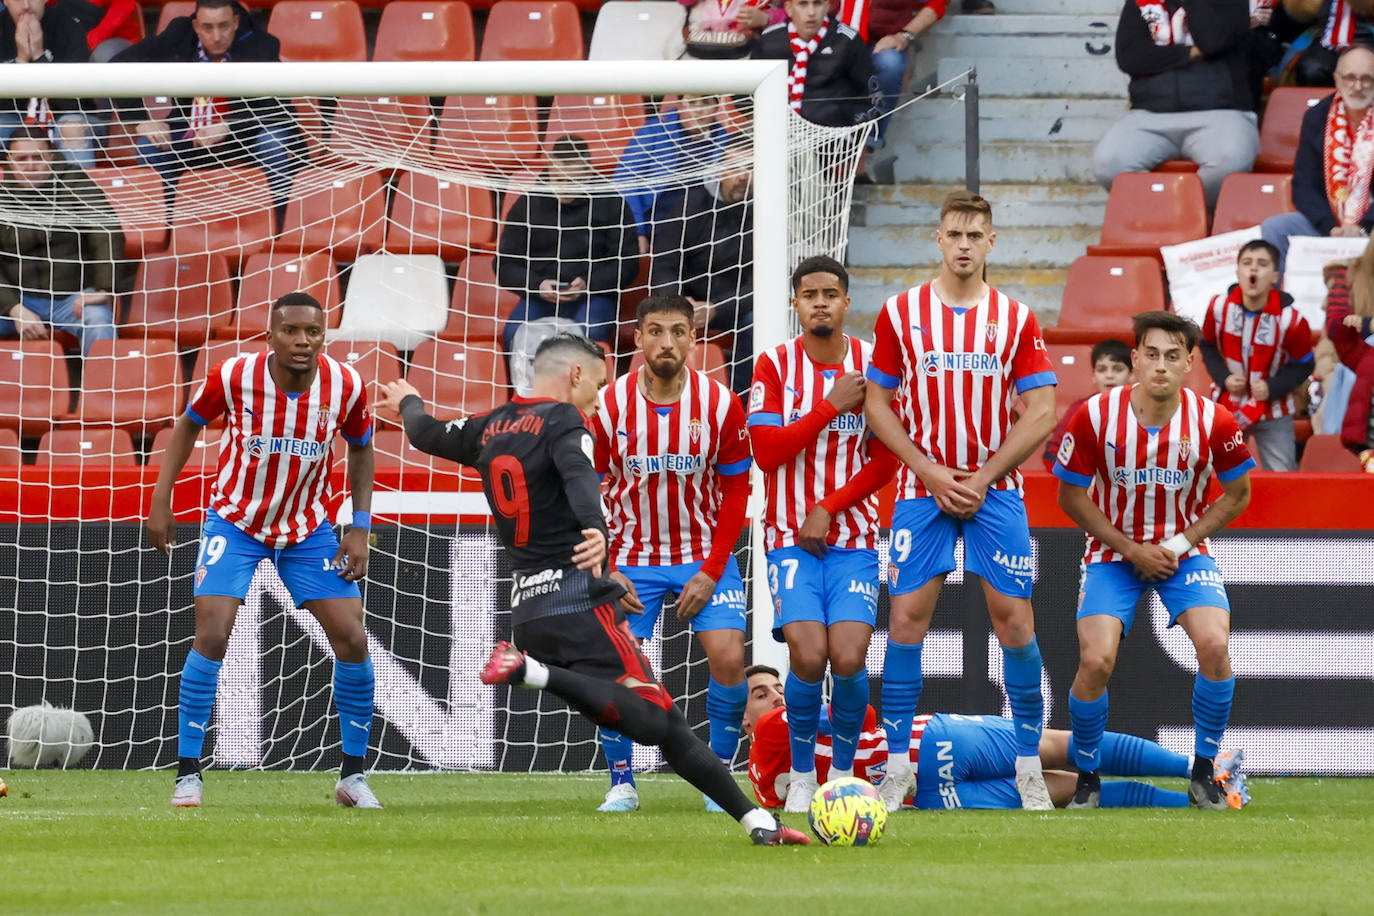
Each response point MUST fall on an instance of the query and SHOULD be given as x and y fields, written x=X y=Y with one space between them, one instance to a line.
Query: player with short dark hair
x=535 y=458
x=1134 y=468
x=283 y=409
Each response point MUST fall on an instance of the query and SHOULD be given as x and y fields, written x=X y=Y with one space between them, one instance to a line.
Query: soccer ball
x=847 y=812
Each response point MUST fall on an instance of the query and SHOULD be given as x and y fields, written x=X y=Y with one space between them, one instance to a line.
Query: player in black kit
x=535 y=458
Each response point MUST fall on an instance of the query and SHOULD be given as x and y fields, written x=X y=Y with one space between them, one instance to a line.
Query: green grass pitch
x=100 y=842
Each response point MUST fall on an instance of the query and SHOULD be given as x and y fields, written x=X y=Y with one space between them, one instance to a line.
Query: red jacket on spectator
x=887 y=17
x=1356 y=354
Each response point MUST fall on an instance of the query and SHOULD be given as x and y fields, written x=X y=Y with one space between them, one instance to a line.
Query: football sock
x=1021 y=671
x=803 y=719
x=1127 y=755
x=848 y=705
x=1127 y=794
x=901 y=693
x=353 y=688
x=351 y=765
x=195 y=699
x=725 y=712
x=187 y=766
x=1203 y=769
x=619 y=752
x=1211 y=712
x=1088 y=719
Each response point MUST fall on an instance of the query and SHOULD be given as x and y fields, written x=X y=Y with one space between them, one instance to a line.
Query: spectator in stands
x=1189 y=91
x=33 y=33
x=1336 y=25
x=686 y=138
x=1111 y=368
x=831 y=80
x=1350 y=326
x=53 y=277
x=1334 y=165
x=110 y=25
x=1258 y=349
x=207 y=132
x=704 y=251
x=565 y=253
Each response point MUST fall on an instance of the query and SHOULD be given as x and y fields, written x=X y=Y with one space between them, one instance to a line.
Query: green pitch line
x=98 y=842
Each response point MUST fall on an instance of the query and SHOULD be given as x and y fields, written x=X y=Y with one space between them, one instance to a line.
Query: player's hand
x=814 y=534
x=160 y=527
x=28 y=324
x=1259 y=389
x=393 y=393
x=351 y=560
x=694 y=596
x=630 y=600
x=952 y=496
x=591 y=553
x=1235 y=384
x=1153 y=562
x=848 y=391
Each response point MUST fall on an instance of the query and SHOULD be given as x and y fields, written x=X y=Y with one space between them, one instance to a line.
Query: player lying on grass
x=535 y=458
x=966 y=761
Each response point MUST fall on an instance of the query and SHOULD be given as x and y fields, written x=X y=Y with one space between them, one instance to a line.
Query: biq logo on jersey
x=304 y=449
x=936 y=361
x=1151 y=476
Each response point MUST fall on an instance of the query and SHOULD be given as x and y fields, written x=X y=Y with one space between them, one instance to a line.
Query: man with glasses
x=1335 y=159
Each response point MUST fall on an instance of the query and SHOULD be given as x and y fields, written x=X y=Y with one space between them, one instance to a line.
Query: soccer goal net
x=446 y=217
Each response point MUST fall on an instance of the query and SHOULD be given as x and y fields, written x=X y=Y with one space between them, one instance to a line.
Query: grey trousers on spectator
x=1279 y=228
x=1220 y=141
x=1273 y=440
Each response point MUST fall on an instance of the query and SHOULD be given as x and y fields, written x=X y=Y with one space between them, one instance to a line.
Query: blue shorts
x=967 y=762
x=1113 y=589
x=997 y=544
x=228 y=558
x=842 y=586
x=725 y=610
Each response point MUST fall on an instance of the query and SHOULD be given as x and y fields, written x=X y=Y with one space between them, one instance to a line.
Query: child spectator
x=1111 y=360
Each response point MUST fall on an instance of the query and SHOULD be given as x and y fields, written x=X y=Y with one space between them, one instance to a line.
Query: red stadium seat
x=92 y=445
x=1248 y=199
x=1325 y=452
x=426 y=30
x=382 y=124
x=174 y=9
x=533 y=30
x=433 y=215
x=138 y=198
x=345 y=216
x=707 y=357
x=318 y=30
x=186 y=298
x=227 y=210
x=489 y=133
x=10 y=452
x=1176 y=165
x=268 y=277
x=376 y=361
x=204 y=455
x=480 y=308
x=1073 y=368
x=131 y=384
x=1281 y=125
x=1146 y=210
x=1102 y=293
x=458 y=379
x=606 y=122
x=34 y=387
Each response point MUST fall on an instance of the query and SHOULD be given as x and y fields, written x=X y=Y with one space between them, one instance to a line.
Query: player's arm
x=1153 y=563
x=572 y=454
x=1026 y=435
x=161 y=522
x=814 y=534
x=351 y=560
x=1232 y=463
x=449 y=440
x=1235 y=496
x=732 y=468
x=776 y=442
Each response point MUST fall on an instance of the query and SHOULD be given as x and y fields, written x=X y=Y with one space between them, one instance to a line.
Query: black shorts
x=597 y=643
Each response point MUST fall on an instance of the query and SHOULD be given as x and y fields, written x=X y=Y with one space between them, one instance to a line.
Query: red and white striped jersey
x=956 y=373
x=1150 y=485
x=1256 y=345
x=662 y=465
x=770 y=753
x=787 y=386
x=273 y=474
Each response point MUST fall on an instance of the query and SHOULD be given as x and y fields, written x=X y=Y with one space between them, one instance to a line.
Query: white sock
x=536 y=673
x=756 y=818
x=1030 y=763
x=837 y=773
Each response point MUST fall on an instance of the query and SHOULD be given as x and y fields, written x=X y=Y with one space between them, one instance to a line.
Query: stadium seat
x=1100 y=296
x=93 y=445
x=479 y=308
x=267 y=277
x=1147 y=210
x=10 y=452
x=532 y=30
x=638 y=31
x=138 y=198
x=606 y=122
x=1197 y=377
x=131 y=384
x=1325 y=452
x=1074 y=370
x=318 y=30
x=1176 y=165
x=205 y=454
x=343 y=215
x=1281 y=125
x=491 y=133
x=226 y=210
x=708 y=357
x=1248 y=199
x=186 y=298
x=392 y=449
x=401 y=298
x=174 y=9
x=397 y=125
x=35 y=390
x=431 y=215
x=458 y=379
x=426 y=30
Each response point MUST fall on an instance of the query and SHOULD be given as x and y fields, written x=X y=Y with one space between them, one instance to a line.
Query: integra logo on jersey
x=1168 y=478
x=304 y=449
x=848 y=424
x=935 y=362
x=665 y=464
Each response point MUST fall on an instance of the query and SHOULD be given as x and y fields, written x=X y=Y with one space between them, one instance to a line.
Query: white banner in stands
x=1302 y=278
x=1201 y=269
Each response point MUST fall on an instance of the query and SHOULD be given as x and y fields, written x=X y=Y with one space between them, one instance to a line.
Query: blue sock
x=1211 y=712
x=725 y=712
x=901 y=693
x=1088 y=719
x=803 y=720
x=195 y=699
x=353 y=688
x=619 y=752
x=1021 y=670
x=848 y=705
x=1127 y=794
x=1127 y=755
